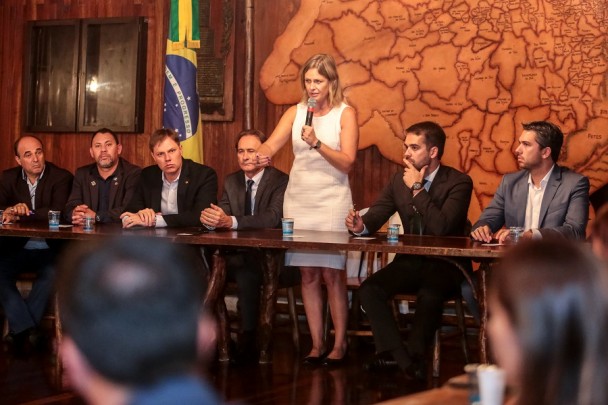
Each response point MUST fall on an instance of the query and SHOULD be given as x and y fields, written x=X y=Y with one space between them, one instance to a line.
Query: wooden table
x=271 y=244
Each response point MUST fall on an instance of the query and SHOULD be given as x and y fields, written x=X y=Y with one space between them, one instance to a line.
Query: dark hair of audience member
x=599 y=233
x=555 y=294
x=132 y=307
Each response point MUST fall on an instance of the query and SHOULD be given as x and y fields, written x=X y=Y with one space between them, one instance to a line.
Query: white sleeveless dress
x=318 y=195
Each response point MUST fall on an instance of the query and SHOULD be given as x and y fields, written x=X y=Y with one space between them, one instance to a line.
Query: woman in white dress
x=318 y=194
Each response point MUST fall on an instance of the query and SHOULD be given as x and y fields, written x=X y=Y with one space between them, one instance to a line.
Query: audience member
x=324 y=134
x=599 y=234
x=27 y=193
x=134 y=323
x=543 y=198
x=252 y=199
x=174 y=191
x=548 y=325
x=101 y=190
x=431 y=199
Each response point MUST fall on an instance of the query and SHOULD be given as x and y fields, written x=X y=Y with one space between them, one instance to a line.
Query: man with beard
x=431 y=199
x=101 y=190
x=543 y=198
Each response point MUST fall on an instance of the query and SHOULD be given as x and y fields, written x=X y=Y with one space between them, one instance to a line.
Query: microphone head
x=312 y=103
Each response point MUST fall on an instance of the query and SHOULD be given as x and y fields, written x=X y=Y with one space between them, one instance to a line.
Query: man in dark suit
x=102 y=189
x=431 y=199
x=264 y=188
x=543 y=198
x=174 y=191
x=27 y=193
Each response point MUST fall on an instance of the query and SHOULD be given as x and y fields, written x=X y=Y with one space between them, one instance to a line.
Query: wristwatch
x=416 y=186
x=317 y=145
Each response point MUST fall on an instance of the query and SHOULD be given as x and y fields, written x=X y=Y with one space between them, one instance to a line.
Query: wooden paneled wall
x=70 y=150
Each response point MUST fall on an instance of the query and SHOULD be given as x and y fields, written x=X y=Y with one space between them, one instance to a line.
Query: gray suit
x=243 y=266
x=564 y=209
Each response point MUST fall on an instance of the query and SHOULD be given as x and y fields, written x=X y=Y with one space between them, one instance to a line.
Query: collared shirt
x=168 y=200
x=254 y=189
x=34 y=243
x=535 y=200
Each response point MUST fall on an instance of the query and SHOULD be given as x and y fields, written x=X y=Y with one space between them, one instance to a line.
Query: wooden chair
x=358 y=328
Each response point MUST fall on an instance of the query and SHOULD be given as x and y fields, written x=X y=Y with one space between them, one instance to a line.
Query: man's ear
x=75 y=364
x=207 y=336
x=546 y=152
x=433 y=152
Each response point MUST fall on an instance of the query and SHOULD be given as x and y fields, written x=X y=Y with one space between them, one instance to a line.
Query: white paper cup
x=491 y=381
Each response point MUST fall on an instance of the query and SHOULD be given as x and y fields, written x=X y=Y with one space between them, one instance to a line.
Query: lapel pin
x=93 y=183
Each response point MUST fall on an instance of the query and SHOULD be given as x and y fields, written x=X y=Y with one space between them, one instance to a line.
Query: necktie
x=248 y=197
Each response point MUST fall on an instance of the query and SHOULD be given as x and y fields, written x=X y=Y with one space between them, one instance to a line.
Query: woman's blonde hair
x=326 y=66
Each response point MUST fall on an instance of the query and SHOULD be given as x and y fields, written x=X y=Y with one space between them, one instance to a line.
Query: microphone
x=311 y=108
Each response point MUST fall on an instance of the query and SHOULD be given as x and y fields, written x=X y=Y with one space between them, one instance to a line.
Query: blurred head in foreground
x=133 y=318
x=599 y=233
x=548 y=326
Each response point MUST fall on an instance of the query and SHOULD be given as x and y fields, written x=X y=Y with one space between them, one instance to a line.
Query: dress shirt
x=168 y=200
x=34 y=243
x=254 y=189
x=535 y=200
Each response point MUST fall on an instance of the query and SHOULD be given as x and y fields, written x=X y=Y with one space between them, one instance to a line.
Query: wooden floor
x=37 y=378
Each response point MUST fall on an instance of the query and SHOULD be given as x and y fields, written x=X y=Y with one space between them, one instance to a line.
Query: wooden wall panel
x=71 y=150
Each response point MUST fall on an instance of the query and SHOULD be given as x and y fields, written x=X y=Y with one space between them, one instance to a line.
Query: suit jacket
x=51 y=193
x=268 y=207
x=196 y=190
x=86 y=191
x=443 y=209
x=564 y=210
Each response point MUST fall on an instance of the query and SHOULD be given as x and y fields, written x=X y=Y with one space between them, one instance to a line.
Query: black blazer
x=443 y=208
x=51 y=193
x=197 y=190
x=268 y=208
x=86 y=191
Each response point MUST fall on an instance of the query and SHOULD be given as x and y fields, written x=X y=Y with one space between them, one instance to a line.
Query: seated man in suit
x=543 y=198
x=27 y=193
x=431 y=199
x=174 y=191
x=102 y=189
x=252 y=199
x=134 y=323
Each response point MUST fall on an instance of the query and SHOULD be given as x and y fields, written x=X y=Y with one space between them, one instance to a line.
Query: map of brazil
x=478 y=68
